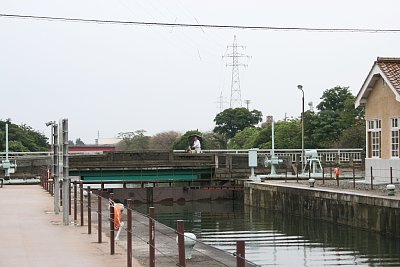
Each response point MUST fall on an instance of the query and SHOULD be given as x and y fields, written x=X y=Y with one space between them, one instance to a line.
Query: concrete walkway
x=32 y=235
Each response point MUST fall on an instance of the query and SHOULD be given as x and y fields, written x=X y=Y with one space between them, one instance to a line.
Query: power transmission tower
x=236 y=98
x=221 y=103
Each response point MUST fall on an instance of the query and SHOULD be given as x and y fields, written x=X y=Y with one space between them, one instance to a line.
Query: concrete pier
x=365 y=210
x=32 y=235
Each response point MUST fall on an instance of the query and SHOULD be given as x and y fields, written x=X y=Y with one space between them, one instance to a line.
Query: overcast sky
x=116 y=78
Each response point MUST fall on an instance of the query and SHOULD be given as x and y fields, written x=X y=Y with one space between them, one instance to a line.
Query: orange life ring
x=117 y=216
x=336 y=172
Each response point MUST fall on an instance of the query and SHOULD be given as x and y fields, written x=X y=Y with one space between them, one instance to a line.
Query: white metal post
x=55 y=168
x=65 y=199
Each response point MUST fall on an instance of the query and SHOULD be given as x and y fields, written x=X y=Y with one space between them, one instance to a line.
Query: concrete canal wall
x=366 y=211
x=172 y=194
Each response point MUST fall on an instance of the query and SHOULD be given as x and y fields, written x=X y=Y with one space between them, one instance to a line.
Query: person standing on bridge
x=196 y=145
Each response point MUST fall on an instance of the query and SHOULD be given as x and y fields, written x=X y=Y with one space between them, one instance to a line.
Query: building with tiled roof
x=380 y=97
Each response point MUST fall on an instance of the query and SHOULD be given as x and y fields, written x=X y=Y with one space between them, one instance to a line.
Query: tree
x=310 y=125
x=288 y=134
x=133 y=141
x=245 y=138
x=336 y=114
x=164 y=140
x=22 y=138
x=17 y=146
x=337 y=124
x=214 y=141
x=353 y=137
x=79 y=142
x=230 y=121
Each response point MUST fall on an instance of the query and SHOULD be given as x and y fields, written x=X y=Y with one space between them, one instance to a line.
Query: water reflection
x=273 y=238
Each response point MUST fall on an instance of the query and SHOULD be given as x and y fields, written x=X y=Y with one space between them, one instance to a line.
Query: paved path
x=31 y=235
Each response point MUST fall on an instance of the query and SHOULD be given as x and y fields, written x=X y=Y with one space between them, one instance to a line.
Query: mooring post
x=61 y=195
x=51 y=188
x=89 y=211
x=181 y=242
x=69 y=198
x=286 y=170
x=75 y=201
x=81 y=201
x=240 y=254
x=129 y=233
x=372 y=180
x=337 y=177
x=391 y=175
x=152 y=237
x=99 y=230
x=354 y=174
x=112 y=237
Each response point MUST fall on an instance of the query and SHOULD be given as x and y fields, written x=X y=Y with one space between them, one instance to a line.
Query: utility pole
x=66 y=181
x=247 y=101
x=236 y=98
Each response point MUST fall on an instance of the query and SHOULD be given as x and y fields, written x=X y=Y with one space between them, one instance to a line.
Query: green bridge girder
x=142 y=175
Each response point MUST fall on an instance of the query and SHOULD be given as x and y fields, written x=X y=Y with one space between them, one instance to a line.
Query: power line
x=211 y=26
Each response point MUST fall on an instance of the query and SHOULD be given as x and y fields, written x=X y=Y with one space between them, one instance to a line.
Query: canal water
x=276 y=239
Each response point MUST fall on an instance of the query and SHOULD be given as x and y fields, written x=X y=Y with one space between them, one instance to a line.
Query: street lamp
x=51 y=123
x=300 y=87
x=54 y=166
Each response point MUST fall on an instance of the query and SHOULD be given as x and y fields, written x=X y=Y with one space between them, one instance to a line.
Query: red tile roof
x=390 y=66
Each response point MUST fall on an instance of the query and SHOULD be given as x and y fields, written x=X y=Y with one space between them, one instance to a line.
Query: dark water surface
x=276 y=239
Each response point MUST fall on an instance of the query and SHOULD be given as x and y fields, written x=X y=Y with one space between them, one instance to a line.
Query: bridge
x=166 y=165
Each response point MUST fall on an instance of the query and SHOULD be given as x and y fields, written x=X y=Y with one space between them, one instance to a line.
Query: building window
x=394 y=122
x=374 y=138
x=375 y=144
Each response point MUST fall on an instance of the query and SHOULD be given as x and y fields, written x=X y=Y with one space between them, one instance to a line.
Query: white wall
x=381 y=170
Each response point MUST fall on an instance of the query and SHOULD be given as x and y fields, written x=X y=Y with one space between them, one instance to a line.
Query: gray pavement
x=32 y=235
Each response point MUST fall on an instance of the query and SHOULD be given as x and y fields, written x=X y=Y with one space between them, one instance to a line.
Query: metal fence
x=330 y=155
x=344 y=155
x=141 y=235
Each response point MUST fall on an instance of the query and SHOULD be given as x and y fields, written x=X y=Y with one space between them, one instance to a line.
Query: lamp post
x=300 y=87
x=54 y=167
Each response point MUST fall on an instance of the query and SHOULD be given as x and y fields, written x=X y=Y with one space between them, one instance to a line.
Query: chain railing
x=141 y=235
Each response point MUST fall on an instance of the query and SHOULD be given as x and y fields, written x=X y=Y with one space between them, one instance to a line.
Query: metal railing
x=143 y=229
x=13 y=155
x=343 y=155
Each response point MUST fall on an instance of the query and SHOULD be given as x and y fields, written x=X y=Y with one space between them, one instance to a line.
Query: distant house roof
x=389 y=69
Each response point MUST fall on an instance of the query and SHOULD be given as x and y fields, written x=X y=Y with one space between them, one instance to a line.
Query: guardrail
x=330 y=155
x=145 y=228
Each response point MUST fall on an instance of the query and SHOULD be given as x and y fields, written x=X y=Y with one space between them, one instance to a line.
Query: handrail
x=239 y=151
